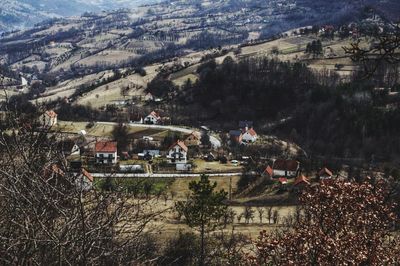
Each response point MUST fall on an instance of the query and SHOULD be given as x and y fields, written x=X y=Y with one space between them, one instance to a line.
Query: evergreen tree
x=203 y=209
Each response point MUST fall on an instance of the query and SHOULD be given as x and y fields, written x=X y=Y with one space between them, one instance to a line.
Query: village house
x=106 y=152
x=153 y=118
x=300 y=183
x=177 y=154
x=236 y=136
x=249 y=135
x=84 y=180
x=286 y=168
x=325 y=173
x=268 y=172
x=49 y=118
x=193 y=140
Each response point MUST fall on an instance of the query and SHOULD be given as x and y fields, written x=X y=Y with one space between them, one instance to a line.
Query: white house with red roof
x=153 y=118
x=49 y=118
x=106 y=152
x=249 y=135
x=177 y=153
x=285 y=168
x=84 y=180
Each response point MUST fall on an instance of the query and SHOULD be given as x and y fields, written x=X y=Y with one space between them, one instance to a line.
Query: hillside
x=25 y=13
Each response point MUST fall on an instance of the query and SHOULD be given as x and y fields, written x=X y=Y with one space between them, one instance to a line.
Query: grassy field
x=203 y=166
x=105 y=130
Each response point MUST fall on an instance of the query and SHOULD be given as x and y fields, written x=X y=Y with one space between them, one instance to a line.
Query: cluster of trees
x=314 y=47
x=255 y=88
x=353 y=115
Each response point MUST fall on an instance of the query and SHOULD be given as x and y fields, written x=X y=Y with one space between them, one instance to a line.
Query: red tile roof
x=252 y=132
x=106 y=146
x=282 y=180
x=51 y=113
x=180 y=144
x=301 y=179
x=87 y=175
x=269 y=171
x=325 y=171
x=286 y=165
x=155 y=115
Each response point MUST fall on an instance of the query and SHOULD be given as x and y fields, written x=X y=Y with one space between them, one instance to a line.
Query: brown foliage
x=341 y=223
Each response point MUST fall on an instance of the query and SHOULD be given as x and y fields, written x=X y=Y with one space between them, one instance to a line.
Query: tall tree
x=203 y=209
x=121 y=135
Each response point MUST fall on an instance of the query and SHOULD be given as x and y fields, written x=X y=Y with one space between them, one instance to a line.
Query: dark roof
x=235 y=133
x=245 y=123
x=286 y=165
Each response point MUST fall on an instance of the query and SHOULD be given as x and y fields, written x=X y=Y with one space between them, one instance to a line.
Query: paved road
x=131 y=175
x=214 y=141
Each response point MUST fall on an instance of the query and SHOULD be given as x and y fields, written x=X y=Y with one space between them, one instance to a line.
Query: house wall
x=150 y=120
x=82 y=183
x=105 y=159
x=284 y=173
x=174 y=157
x=192 y=141
x=248 y=138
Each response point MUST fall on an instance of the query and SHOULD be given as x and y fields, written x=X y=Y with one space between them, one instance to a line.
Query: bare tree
x=248 y=214
x=275 y=216
x=269 y=213
x=260 y=211
x=48 y=217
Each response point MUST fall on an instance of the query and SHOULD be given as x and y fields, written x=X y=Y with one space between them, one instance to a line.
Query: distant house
x=325 y=173
x=210 y=157
x=301 y=181
x=249 y=135
x=286 y=168
x=193 y=140
x=149 y=154
x=268 y=172
x=76 y=150
x=153 y=118
x=149 y=97
x=236 y=136
x=177 y=153
x=49 y=118
x=84 y=180
x=106 y=152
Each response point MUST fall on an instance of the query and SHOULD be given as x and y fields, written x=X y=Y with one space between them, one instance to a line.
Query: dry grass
x=204 y=166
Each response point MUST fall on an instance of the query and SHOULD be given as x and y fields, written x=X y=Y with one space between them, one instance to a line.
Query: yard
x=203 y=166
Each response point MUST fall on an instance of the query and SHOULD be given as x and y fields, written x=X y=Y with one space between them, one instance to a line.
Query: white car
x=235 y=162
